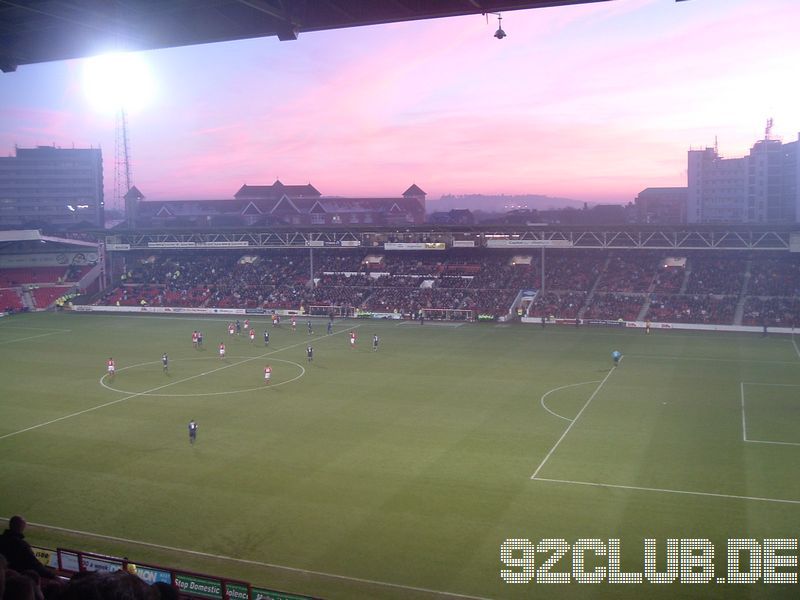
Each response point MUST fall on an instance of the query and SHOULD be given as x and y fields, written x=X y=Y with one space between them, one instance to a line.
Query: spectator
x=19 y=587
x=18 y=552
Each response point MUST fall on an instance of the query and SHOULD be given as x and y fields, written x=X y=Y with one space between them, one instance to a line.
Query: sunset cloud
x=593 y=102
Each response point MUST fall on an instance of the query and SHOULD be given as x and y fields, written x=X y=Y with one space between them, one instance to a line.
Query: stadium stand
x=716 y=275
x=775 y=277
x=559 y=305
x=669 y=280
x=591 y=284
x=774 y=312
x=692 y=308
x=615 y=306
x=43 y=297
x=631 y=272
x=10 y=300
x=32 y=275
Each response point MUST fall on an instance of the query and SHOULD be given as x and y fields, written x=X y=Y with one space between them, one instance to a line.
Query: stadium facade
x=52 y=187
x=279 y=205
x=761 y=187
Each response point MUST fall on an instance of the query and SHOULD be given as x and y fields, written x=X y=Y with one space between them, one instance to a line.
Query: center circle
x=153 y=392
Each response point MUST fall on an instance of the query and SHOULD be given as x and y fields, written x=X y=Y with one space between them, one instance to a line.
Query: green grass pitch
x=397 y=473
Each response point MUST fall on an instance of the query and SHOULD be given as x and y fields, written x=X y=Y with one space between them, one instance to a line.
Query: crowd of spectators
x=775 y=277
x=716 y=275
x=777 y=311
x=692 y=308
x=467 y=279
x=560 y=305
x=669 y=280
x=572 y=270
x=615 y=306
x=629 y=273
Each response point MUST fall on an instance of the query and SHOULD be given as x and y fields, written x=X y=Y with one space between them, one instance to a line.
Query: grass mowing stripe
x=575 y=420
x=256 y=562
x=161 y=387
x=712 y=358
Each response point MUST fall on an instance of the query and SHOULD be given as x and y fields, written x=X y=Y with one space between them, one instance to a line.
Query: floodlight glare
x=113 y=81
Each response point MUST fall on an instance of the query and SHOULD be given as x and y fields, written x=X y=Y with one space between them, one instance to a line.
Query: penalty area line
x=256 y=562
x=666 y=490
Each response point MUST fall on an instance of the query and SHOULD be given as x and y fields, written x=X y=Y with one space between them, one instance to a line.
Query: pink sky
x=592 y=102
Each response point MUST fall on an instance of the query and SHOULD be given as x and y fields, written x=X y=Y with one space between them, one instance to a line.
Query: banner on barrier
x=528 y=244
x=236 y=591
x=46 y=556
x=103 y=565
x=68 y=561
x=162 y=310
x=150 y=575
x=199 y=586
x=414 y=246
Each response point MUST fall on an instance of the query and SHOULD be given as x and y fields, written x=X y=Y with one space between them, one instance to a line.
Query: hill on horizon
x=502 y=202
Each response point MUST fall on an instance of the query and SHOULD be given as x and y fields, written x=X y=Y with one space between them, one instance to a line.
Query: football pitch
x=401 y=472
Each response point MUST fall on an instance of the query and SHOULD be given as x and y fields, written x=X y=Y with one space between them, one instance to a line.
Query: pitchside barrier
x=447 y=314
x=190 y=585
x=267 y=312
x=326 y=310
x=654 y=325
x=435 y=313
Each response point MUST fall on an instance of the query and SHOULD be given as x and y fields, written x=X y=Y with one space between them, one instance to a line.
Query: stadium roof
x=34 y=31
x=19 y=239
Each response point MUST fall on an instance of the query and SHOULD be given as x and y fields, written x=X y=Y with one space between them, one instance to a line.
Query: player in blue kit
x=192 y=431
x=616 y=355
x=165 y=362
x=266 y=337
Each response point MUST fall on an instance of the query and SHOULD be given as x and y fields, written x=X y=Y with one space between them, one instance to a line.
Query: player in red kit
x=352 y=339
x=111 y=366
x=252 y=336
x=221 y=350
x=267 y=374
